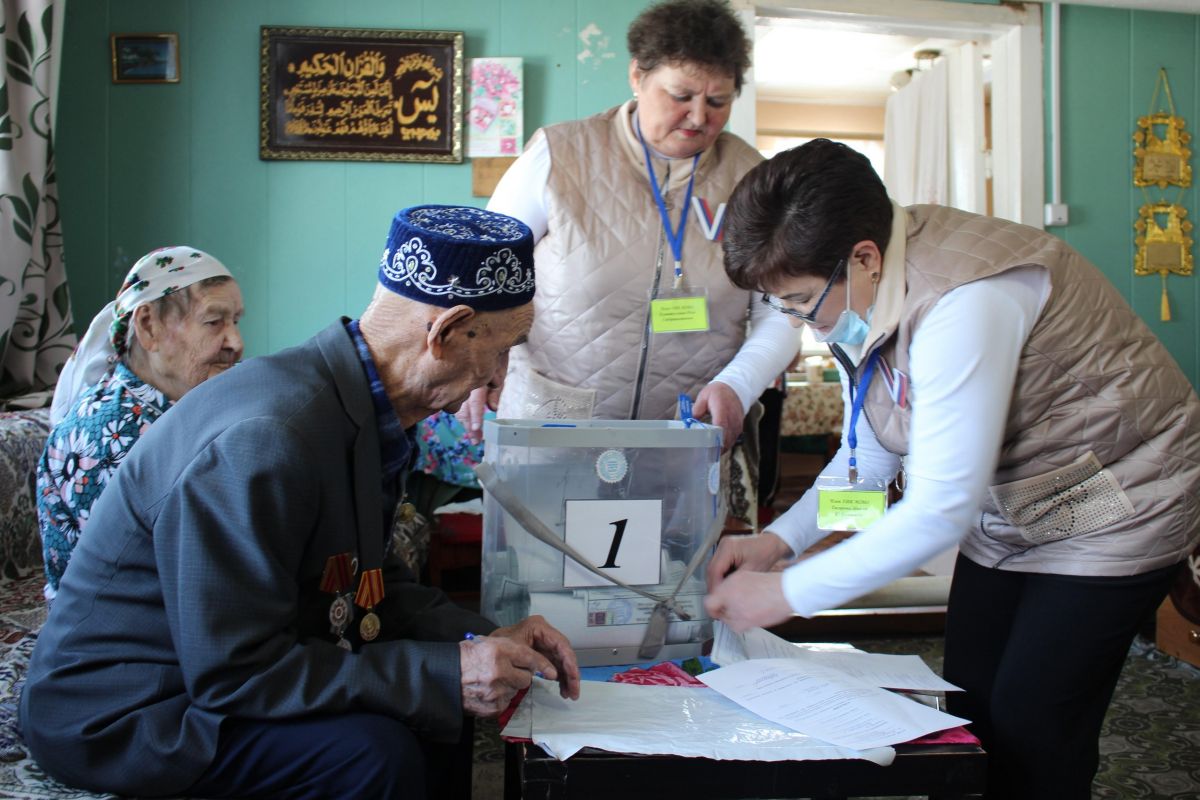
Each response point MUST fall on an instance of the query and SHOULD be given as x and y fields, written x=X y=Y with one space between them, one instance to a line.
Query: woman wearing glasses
x=1039 y=424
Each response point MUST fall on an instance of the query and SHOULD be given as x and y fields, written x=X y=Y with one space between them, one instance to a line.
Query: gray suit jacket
x=194 y=593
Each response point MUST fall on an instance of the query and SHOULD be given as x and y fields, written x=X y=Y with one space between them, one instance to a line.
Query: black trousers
x=363 y=756
x=1038 y=657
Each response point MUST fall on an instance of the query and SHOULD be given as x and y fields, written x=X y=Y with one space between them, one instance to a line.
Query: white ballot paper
x=825 y=704
x=909 y=673
x=664 y=720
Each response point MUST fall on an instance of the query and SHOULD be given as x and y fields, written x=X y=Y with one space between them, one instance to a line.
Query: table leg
x=512 y=771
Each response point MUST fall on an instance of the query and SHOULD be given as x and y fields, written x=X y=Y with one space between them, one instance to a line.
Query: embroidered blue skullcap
x=459 y=255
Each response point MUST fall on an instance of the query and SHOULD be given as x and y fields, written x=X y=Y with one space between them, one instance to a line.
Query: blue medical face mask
x=850 y=328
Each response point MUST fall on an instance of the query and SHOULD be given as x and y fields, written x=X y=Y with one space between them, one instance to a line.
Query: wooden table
x=938 y=771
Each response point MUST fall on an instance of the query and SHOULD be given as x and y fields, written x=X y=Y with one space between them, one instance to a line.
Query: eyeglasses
x=777 y=304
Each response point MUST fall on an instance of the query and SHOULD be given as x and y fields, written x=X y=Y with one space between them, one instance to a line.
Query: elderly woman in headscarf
x=173 y=325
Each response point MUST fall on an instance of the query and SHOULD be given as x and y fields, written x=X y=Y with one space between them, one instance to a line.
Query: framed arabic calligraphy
x=361 y=95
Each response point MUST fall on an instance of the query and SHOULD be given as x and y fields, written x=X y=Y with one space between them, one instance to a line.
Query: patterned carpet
x=22 y=612
x=1149 y=746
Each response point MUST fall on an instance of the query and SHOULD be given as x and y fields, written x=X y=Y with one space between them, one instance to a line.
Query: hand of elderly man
x=497 y=666
x=537 y=633
x=470 y=414
x=719 y=401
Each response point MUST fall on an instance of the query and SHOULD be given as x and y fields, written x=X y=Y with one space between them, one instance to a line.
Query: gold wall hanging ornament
x=1160 y=153
x=1164 y=245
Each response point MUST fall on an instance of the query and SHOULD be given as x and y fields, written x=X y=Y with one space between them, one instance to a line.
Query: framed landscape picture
x=145 y=57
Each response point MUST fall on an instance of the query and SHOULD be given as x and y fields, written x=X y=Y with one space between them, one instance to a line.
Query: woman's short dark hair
x=705 y=32
x=799 y=213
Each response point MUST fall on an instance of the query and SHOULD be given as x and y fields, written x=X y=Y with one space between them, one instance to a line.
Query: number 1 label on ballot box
x=846 y=506
x=622 y=538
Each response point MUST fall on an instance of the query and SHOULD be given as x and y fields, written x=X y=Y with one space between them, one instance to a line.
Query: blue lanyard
x=674 y=237
x=856 y=404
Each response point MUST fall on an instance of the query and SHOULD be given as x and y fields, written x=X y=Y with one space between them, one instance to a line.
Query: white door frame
x=1018 y=132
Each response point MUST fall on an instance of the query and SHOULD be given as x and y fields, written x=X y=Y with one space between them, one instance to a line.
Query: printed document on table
x=825 y=704
x=691 y=721
x=878 y=669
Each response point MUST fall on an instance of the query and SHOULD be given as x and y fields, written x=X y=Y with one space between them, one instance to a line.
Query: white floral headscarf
x=157 y=274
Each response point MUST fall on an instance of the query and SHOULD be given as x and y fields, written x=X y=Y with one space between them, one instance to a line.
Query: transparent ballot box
x=638 y=501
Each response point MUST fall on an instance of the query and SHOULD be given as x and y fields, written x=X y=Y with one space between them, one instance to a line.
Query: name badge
x=846 y=506
x=679 y=314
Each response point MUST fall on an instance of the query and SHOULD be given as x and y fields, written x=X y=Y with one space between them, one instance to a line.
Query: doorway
x=827 y=67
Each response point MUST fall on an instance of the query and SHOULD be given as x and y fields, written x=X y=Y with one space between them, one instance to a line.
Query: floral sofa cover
x=22 y=608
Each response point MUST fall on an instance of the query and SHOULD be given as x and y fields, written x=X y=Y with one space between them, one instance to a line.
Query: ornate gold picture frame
x=1161 y=152
x=1163 y=248
x=1161 y=158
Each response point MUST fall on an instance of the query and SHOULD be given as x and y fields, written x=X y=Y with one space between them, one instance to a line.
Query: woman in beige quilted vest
x=1038 y=424
x=633 y=306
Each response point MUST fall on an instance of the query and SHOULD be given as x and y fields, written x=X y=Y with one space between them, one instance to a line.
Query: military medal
x=407 y=511
x=338 y=574
x=341 y=611
x=368 y=629
x=339 y=614
x=370 y=593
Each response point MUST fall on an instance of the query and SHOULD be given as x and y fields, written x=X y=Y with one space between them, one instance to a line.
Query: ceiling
x=799 y=61
x=826 y=52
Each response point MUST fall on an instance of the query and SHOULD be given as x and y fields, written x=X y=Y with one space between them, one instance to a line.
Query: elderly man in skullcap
x=234 y=624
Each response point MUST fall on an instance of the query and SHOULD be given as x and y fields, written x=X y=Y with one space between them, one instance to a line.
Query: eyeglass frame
x=772 y=302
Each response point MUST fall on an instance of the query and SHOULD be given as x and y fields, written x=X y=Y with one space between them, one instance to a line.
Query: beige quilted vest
x=1100 y=466
x=605 y=253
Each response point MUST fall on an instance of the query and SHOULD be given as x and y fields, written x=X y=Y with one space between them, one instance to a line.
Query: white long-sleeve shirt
x=771 y=343
x=963 y=361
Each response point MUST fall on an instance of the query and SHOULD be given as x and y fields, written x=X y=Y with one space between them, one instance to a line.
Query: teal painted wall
x=141 y=166
x=1109 y=66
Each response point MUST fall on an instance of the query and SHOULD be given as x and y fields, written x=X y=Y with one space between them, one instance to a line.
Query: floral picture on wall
x=495 y=108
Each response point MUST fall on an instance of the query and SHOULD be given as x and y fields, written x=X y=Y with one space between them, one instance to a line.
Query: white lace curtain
x=934 y=136
x=36 y=333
